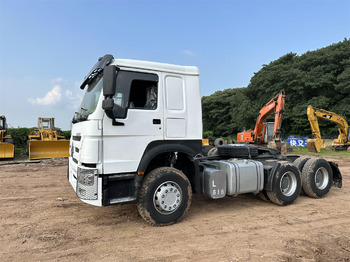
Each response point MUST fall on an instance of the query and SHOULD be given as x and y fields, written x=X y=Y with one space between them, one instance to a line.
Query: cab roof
x=155 y=66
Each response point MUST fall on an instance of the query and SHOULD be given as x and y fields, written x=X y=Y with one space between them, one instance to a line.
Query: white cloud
x=69 y=94
x=57 y=80
x=188 y=53
x=74 y=100
x=51 y=98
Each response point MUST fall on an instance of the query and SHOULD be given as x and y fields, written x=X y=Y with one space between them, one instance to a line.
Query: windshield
x=90 y=100
x=46 y=123
x=2 y=124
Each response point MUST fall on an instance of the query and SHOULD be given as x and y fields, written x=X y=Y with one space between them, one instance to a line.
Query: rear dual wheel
x=286 y=187
x=263 y=196
x=317 y=177
x=300 y=163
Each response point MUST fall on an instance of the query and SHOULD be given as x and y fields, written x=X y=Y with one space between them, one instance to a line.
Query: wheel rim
x=321 y=178
x=288 y=183
x=167 y=197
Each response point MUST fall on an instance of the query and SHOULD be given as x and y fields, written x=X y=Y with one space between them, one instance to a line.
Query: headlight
x=87 y=183
x=86 y=176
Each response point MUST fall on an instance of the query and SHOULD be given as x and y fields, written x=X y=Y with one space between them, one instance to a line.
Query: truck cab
x=145 y=120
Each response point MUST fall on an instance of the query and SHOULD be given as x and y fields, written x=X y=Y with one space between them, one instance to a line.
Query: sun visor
x=97 y=68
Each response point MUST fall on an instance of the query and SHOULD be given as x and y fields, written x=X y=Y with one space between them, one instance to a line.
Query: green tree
x=320 y=78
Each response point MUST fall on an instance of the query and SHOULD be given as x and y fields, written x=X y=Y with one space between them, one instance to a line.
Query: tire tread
x=150 y=178
x=308 y=177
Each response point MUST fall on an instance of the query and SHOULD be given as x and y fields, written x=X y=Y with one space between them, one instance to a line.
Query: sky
x=47 y=47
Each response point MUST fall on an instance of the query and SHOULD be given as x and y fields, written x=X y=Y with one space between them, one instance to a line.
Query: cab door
x=139 y=121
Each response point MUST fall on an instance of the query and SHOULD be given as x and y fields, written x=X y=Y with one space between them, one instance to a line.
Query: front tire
x=165 y=196
x=287 y=185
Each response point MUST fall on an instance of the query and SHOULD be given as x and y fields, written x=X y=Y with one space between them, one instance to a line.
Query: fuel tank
x=241 y=175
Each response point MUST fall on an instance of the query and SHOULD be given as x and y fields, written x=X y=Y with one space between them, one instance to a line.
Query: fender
x=269 y=176
x=188 y=147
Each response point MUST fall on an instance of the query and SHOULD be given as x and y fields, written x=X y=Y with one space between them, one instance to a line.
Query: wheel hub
x=321 y=178
x=288 y=183
x=167 y=198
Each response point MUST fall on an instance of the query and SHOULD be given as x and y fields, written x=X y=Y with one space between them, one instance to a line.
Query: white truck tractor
x=137 y=138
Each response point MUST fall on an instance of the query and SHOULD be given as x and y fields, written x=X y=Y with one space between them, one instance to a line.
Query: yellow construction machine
x=7 y=148
x=45 y=143
x=315 y=144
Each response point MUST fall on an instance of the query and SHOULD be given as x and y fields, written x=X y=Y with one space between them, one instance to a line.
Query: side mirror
x=109 y=80
x=108 y=104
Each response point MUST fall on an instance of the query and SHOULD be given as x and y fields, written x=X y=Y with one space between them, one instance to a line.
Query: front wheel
x=165 y=196
x=287 y=185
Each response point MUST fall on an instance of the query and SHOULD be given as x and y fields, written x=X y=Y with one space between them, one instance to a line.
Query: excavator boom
x=281 y=98
x=314 y=144
x=276 y=104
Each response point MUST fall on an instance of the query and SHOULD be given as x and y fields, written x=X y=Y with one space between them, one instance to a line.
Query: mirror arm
x=117 y=123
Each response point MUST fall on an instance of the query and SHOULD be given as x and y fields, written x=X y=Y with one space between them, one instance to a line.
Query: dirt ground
x=43 y=220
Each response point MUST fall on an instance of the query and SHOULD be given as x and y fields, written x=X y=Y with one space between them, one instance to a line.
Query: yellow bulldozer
x=7 y=148
x=315 y=144
x=45 y=143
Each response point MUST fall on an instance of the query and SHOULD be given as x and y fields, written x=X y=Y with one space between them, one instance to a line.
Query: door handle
x=156 y=121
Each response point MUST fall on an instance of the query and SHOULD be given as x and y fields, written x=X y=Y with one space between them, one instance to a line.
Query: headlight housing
x=87 y=183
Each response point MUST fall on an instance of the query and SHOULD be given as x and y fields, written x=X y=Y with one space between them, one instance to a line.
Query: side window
x=143 y=95
x=135 y=90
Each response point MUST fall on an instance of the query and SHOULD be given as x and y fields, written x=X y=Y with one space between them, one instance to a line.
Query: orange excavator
x=258 y=135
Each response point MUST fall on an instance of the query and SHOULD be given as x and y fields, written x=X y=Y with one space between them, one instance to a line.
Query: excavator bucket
x=6 y=150
x=39 y=149
x=314 y=145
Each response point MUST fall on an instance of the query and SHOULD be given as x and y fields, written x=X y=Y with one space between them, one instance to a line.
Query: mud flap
x=337 y=177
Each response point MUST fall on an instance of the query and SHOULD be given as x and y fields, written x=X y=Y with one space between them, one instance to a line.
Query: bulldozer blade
x=48 y=149
x=6 y=150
